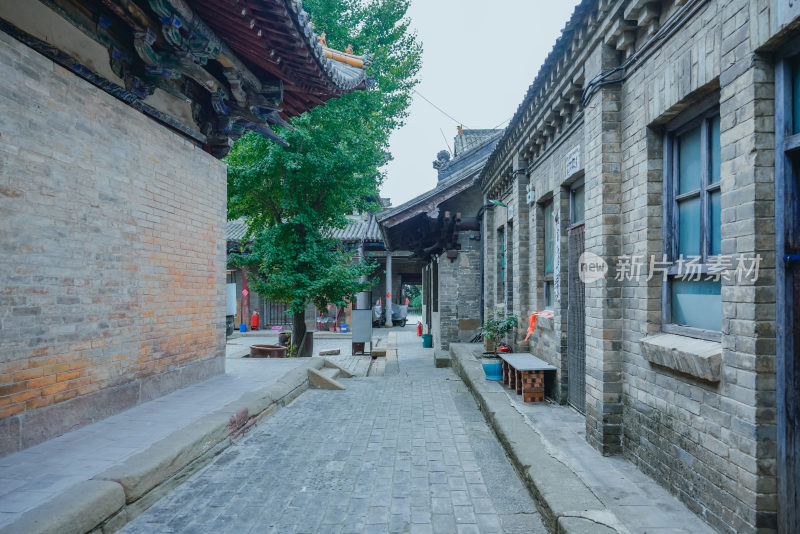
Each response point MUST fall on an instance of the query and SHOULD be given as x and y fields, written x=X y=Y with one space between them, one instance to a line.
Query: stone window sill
x=545 y=323
x=696 y=357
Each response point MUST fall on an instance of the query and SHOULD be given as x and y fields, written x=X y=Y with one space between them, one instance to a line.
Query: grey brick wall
x=711 y=443
x=459 y=294
x=112 y=253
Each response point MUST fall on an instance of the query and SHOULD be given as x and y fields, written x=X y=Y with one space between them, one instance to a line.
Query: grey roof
x=481 y=147
x=472 y=139
x=235 y=230
x=466 y=167
x=513 y=130
x=361 y=228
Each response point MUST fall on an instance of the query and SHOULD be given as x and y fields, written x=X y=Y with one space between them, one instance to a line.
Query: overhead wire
x=602 y=79
x=443 y=112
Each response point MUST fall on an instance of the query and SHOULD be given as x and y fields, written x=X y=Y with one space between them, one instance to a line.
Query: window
x=501 y=263
x=576 y=204
x=692 y=227
x=549 y=253
x=509 y=271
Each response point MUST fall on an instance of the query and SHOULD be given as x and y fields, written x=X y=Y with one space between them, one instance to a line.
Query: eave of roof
x=360 y=230
x=513 y=129
x=277 y=37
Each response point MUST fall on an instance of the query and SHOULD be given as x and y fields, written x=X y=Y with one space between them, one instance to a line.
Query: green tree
x=292 y=197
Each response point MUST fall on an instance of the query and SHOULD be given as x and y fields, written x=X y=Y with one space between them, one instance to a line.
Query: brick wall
x=712 y=442
x=112 y=254
x=459 y=294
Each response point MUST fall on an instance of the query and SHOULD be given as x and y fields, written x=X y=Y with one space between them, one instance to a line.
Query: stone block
x=695 y=357
x=77 y=511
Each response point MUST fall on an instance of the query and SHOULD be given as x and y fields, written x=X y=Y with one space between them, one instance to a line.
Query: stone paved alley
x=408 y=452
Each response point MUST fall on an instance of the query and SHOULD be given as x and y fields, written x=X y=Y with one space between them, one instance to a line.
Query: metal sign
x=245 y=292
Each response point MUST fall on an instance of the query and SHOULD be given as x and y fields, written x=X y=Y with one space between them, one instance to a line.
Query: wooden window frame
x=702 y=116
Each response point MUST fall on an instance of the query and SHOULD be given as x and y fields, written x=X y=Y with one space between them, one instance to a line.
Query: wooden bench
x=525 y=373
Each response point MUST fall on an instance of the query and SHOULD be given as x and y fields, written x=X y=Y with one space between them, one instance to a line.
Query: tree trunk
x=303 y=347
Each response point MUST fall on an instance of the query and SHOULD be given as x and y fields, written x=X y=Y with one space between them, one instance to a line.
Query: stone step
x=323 y=378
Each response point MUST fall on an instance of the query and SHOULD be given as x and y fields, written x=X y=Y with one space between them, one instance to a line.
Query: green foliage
x=498 y=324
x=292 y=197
x=414 y=294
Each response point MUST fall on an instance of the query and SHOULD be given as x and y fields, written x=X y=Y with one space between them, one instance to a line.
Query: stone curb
x=566 y=504
x=116 y=496
x=441 y=359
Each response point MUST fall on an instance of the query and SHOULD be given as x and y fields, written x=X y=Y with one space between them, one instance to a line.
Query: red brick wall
x=112 y=253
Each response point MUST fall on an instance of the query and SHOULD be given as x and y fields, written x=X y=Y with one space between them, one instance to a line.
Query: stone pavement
x=35 y=475
x=578 y=489
x=408 y=452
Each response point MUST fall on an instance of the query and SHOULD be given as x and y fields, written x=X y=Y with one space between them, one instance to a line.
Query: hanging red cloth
x=532 y=321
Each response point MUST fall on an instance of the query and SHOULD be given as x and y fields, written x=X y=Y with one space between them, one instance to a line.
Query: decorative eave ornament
x=229 y=65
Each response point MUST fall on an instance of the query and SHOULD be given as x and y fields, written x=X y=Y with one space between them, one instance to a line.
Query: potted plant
x=494 y=330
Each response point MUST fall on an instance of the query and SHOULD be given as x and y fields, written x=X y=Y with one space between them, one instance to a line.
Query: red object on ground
x=254 y=321
x=503 y=348
x=419 y=329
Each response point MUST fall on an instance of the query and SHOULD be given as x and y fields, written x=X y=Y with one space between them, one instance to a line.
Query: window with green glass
x=693 y=231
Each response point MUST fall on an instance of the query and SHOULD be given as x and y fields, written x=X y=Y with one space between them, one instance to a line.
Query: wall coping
x=696 y=357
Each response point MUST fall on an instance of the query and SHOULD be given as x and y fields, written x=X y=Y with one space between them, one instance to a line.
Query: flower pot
x=488 y=345
x=492 y=368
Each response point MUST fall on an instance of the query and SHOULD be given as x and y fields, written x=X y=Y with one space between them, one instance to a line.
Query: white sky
x=478 y=60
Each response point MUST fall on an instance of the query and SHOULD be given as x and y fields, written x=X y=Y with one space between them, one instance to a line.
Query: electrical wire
x=443 y=112
x=502 y=123
x=602 y=79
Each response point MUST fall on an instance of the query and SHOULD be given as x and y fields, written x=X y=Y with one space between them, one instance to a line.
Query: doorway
x=576 y=304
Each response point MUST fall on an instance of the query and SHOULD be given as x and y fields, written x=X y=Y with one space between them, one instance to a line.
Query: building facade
x=441 y=228
x=653 y=209
x=112 y=196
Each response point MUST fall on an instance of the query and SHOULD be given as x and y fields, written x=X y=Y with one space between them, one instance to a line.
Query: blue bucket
x=242 y=327
x=344 y=328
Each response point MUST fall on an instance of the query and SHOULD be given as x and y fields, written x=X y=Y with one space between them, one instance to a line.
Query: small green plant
x=497 y=325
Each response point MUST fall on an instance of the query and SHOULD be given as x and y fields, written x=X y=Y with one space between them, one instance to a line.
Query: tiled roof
x=235 y=230
x=515 y=127
x=478 y=148
x=473 y=138
x=361 y=228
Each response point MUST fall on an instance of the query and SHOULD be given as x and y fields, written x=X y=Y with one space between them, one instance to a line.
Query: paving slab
x=578 y=490
x=407 y=452
x=141 y=447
